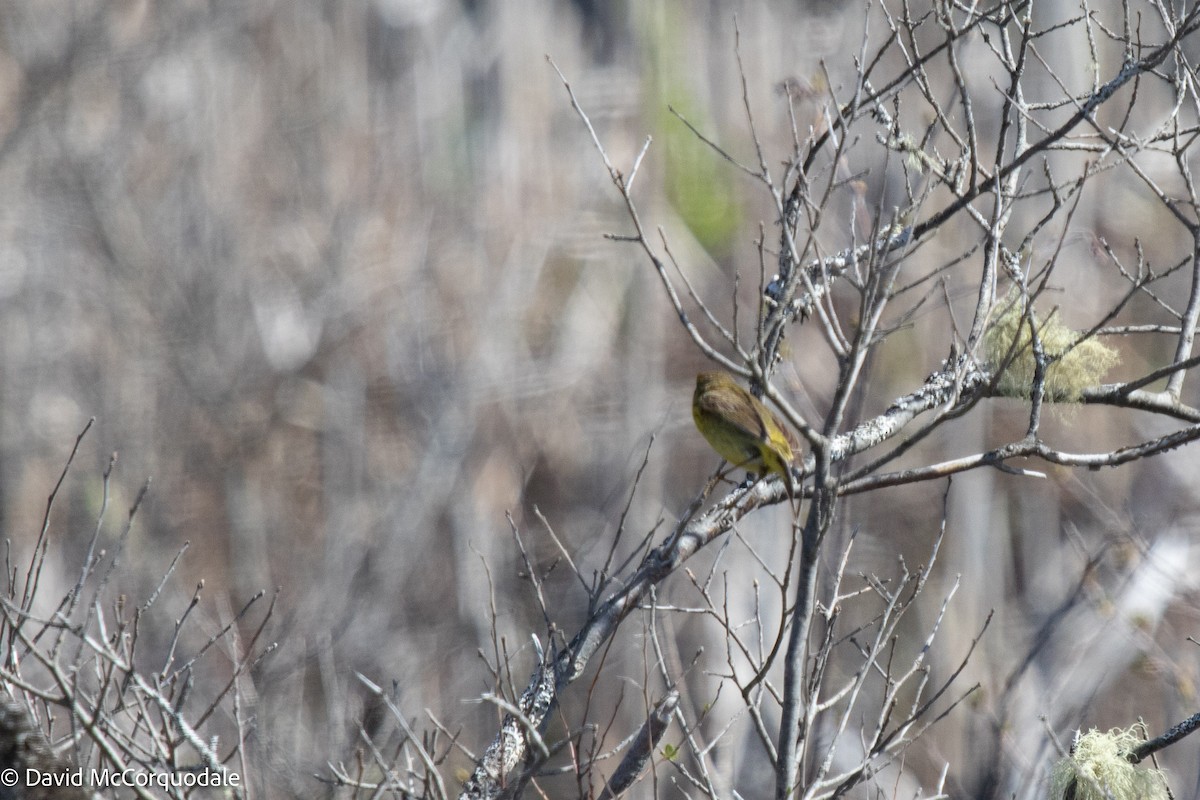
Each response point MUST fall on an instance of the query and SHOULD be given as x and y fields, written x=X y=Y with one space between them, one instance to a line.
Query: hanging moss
x=1099 y=769
x=1073 y=364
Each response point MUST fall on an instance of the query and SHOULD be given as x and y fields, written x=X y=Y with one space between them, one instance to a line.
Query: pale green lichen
x=1099 y=769
x=1073 y=363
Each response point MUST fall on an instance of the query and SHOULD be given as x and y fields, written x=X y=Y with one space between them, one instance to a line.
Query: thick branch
x=635 y=761
x=556 y=673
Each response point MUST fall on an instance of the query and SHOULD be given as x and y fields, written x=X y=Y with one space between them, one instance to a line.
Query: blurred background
x=334 y=275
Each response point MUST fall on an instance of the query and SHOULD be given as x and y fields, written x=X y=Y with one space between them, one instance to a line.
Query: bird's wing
x=711 y=403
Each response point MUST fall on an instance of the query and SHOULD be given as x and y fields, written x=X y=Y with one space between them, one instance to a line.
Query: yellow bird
x=740 y=428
